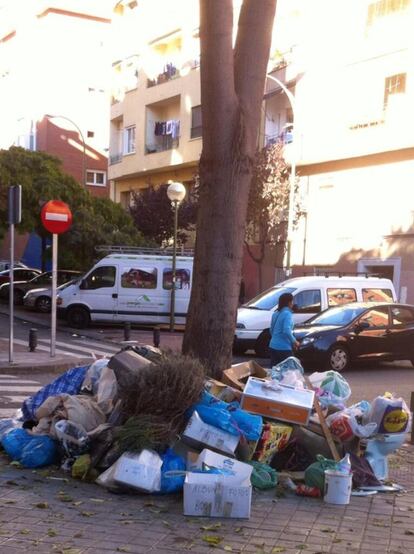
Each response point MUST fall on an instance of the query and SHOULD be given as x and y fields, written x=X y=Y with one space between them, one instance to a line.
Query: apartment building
x=348 y=64
x=54 y=74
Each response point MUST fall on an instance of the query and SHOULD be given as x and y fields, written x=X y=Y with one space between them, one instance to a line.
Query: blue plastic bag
x=172 y=482
x=69 y=382
x=30 y=450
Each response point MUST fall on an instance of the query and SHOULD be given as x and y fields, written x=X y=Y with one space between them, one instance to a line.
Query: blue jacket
x=281 y=327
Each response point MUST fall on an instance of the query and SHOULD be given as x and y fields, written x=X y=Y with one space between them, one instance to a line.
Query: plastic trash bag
x=7 y=425
x=172 y=472
x=278 y=371
x=72 y=436
x=30 y=450
x=263 y=476
x=331 y=381
x=391 y=414
x=315 y=473
x=345 y=424
x=91 y=381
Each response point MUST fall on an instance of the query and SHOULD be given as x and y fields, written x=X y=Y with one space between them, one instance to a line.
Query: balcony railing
x=166 y=143
x=115 y=158
x=170 y=72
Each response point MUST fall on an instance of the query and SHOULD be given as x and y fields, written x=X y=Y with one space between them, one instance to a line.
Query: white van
x=128 y=287
x=311 y=295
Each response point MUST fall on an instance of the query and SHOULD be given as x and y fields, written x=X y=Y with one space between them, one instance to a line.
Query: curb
x=57 y=366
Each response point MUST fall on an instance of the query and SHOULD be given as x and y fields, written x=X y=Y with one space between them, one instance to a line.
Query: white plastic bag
x=331 y=381
x=73 y=437
x=391 y=414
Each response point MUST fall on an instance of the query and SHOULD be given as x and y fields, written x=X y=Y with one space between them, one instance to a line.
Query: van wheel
x=78 y=317
x=262 y=344
x=338 y=358
x=18 y=297
x=43 y=304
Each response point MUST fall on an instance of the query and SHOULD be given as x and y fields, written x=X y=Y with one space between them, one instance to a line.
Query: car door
x=402 y=332
x=99 y=292
x=369 y=337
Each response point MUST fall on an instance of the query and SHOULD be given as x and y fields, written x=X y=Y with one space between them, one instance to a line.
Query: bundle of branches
x=166 y=389
x=145 y=431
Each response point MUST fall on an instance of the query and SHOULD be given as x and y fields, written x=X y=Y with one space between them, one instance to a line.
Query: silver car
x=41 y=299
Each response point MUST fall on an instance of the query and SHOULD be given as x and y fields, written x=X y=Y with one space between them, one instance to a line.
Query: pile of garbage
x=147 y=422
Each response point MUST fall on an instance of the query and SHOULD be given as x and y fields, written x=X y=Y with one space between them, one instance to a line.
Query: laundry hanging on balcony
x=171 y=128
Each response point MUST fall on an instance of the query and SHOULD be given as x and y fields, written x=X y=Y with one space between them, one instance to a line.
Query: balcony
x=170 y=72
x=162 y=125
x=166 y=143
x=115 y=158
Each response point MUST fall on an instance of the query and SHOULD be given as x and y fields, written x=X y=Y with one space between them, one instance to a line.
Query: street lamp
x=176 y=193
x=83 y=143
x=292 y=102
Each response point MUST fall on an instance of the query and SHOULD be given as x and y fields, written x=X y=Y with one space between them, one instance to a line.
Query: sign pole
x=54 y=291
x=11 y=294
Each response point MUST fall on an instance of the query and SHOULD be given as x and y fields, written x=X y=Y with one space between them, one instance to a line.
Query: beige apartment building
x=349 y=65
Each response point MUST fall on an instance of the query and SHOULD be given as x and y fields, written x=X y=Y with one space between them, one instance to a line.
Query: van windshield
x=269 y=299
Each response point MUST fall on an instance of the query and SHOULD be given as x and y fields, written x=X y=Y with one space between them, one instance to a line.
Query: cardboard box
x=218 y=495
x=286 y=404
x=237 y=375
x=200 y=434
x=222 y=391
x=140 y=471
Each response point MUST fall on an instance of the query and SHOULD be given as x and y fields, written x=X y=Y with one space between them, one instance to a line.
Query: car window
x=269 y=299
x=402 y=316
x=101 y=277
x=337 y=297
x=139 y=278
x=307 y=302
x=340 y=316
x=182 y=279
x=377 y=295
x=377 y=318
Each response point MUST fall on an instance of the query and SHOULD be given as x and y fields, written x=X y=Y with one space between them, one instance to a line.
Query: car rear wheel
x=262 y=345
x=43 y=304
x=338 y=358
x=78 y=317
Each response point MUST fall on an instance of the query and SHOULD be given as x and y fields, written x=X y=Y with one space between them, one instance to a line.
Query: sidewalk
x=43 y=512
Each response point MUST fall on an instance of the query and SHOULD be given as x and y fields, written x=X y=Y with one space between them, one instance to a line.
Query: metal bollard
x=156 y=334
x=32 y=340
x=127 y=331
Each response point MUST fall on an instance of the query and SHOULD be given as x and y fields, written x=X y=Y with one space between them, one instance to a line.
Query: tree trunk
x=232 y=86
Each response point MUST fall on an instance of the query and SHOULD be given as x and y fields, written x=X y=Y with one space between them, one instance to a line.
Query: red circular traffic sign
x=56 y=217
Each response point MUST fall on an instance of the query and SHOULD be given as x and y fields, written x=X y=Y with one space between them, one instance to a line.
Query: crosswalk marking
x=18 y=388
x=8 y=412
x=113 y=348
x=10 y=402
x=46 y=349
x=109 y=350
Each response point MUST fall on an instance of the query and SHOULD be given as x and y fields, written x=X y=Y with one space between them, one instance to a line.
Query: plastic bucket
x=338 y=487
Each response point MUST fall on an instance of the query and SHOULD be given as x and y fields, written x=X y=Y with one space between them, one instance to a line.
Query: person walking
x=282 y=341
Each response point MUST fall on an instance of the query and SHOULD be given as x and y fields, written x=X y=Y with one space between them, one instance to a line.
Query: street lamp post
x=176 y=193
x=83 y=143
x=292 y=102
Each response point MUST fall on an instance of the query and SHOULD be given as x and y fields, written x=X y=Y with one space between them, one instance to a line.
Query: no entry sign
x=56 y=217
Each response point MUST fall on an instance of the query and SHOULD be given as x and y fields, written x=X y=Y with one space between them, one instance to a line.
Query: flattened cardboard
x=237 y=375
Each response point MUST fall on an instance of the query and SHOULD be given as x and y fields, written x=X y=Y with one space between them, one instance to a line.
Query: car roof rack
x=340 y=274
x=125 y=249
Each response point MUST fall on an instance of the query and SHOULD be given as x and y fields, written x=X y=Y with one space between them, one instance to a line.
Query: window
x=308 y=302
x=377 y=318
x=139 y=278
x=377 y=295
x=337 y=297
x=182 y=278
x=90 y=134
x=196 y=123
x=129 y=140
x=394 y=85
x=402 y=316
x=382 y=8
x=96 y=178
x=101 y=277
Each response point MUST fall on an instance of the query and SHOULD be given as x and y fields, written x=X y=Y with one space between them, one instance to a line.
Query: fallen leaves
x=212 y=539
x=211 y=527
x=41 y=505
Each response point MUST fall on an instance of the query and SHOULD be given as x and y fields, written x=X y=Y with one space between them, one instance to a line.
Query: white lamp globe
x=176 y=192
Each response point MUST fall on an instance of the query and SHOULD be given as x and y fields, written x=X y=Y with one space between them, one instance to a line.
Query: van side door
x=306 y=304
x=139 y=293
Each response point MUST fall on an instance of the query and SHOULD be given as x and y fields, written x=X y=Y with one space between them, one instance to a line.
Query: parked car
x=41 y=299
x=356 y=332
x=42 y=280
x=311 y=295
x=19 y=274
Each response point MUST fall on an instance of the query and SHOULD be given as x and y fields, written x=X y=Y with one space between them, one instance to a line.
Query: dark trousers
x=277 y=356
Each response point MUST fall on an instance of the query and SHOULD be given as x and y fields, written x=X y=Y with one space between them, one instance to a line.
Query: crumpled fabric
x=82 y=410
x=69 y=382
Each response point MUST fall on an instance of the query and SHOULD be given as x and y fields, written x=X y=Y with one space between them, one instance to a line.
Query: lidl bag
x=390 y=414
